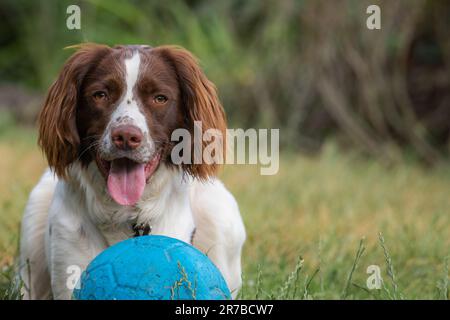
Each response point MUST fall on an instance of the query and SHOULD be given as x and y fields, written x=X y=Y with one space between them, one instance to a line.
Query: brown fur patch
x=72 y=122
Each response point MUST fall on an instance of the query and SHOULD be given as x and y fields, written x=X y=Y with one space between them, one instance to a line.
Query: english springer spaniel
x=105 y=130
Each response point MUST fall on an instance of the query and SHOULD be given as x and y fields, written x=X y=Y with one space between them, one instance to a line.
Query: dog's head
x=119 y=106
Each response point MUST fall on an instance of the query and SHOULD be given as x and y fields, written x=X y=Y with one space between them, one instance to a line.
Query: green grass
x=313 y=229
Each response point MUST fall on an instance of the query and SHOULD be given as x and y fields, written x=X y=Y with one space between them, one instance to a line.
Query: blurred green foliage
x=311 y=68
x=308 y=67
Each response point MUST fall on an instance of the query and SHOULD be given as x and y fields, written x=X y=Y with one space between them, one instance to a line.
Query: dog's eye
x=160 y=99
x=100 y=96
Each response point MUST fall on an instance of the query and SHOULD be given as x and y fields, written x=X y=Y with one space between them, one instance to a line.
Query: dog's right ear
x=201 y=103
x=58 y=134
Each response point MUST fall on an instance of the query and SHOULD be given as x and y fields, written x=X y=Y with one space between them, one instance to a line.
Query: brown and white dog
x=105 y=129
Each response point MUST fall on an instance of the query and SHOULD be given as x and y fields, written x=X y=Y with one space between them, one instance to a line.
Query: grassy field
x=313 y=229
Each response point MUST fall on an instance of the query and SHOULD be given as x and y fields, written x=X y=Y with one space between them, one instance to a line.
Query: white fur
x=69 y=223
x=128 y=112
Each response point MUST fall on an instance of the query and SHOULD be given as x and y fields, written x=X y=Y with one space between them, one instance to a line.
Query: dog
x=105 y=129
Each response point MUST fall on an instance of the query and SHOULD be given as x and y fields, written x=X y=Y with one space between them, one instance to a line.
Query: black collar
x=144 y=229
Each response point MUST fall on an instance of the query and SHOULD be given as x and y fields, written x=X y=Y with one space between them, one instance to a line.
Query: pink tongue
x=126 y=181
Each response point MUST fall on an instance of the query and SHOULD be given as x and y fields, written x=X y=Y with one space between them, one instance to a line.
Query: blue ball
x=151 y=268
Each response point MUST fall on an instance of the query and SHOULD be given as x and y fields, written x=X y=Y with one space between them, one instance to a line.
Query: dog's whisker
x=92 y=145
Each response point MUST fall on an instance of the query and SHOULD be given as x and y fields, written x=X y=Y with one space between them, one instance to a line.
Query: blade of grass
x=443 y=285
x=308 y=283
x=390 y=266
x=258 y=282
x=292 y=279
x=359 y=253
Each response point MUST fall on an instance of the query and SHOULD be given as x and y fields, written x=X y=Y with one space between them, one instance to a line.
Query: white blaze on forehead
x=127 y=111
x=132 y=71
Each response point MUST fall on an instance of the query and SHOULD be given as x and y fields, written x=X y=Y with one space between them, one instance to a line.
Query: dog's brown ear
x=58 y=134
x=201 y=104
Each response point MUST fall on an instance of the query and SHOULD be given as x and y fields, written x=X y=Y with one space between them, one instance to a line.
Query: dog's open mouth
x=126 y=179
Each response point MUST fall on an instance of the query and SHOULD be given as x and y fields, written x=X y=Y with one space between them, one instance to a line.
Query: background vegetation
x=371 y=108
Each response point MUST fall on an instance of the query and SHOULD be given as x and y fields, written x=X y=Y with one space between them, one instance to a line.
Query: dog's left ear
x=201 y=103
x=58 y=134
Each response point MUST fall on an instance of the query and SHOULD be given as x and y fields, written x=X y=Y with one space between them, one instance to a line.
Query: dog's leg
x=33 y=269
x=73 y=241
x=220 y=231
